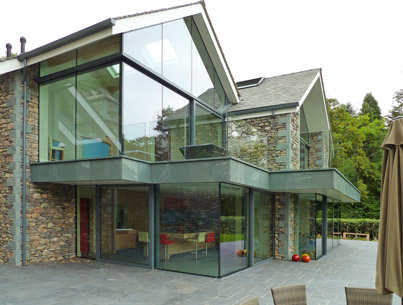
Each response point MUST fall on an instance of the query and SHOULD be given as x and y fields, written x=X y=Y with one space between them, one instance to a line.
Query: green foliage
x=370 y=106
x=364 y=226
x=358 y=153
x=397 y=106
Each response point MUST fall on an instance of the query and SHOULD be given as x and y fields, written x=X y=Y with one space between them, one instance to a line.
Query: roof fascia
x=98 y=27
x=237 y=115
x=303 y=98
x=324 y=99
x=10 y=65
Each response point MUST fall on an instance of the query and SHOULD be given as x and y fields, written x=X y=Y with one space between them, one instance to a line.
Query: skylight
x=249 y=83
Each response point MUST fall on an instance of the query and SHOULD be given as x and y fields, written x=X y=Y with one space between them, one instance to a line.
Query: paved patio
x=351 y=264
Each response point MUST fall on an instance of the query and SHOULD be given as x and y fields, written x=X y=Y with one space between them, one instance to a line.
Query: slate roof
x=276 y=91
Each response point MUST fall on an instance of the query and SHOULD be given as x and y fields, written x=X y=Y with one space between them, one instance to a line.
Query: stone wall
x=271 y=142
x=50 y=224
x=319 y=150
x=284 y=225
x=7 y=228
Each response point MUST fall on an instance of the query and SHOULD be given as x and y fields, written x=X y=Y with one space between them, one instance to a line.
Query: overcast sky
x=357 y=43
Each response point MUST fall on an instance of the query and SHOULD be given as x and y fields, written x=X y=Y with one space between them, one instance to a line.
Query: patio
x=87 y=282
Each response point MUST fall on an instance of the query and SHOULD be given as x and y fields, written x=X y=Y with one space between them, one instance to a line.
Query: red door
x=84 y=224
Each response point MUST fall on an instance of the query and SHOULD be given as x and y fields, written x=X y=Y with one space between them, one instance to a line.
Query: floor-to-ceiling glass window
x=125 y=224
x=337 y=223
x=330 y=224
x=319 y=227
x=86 y=222
x=263 y=225
x=188 y=228
x=233 y=237
x=306 y=230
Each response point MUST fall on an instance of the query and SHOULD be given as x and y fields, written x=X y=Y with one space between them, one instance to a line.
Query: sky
x=358 y=44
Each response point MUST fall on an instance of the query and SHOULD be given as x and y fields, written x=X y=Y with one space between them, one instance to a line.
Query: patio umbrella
x=389 y=272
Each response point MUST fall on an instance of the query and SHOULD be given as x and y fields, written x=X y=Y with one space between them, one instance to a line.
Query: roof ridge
x=287 y=74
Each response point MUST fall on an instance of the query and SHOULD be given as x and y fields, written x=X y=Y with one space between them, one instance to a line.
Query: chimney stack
x=8 y=46
x=23 y=41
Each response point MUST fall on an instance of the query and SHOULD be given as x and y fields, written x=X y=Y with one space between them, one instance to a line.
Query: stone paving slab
x=89 y=282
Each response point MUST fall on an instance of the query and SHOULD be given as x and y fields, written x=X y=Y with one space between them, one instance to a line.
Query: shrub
x=365 y=226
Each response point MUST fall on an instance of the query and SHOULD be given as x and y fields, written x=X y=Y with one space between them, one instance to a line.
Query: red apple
x=295 y=257
x=306 y=258
x=239 y=253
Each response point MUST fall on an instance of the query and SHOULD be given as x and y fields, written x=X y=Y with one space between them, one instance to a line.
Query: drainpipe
x=24 y=165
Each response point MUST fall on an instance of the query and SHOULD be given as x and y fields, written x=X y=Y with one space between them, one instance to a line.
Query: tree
x=397 y=106
x=370 y=106
x=350 y=109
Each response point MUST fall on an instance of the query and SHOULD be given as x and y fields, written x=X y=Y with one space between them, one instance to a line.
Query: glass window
x=209 y=127
x=189 y=220
x=306 y=229
x=233 y=235
x=86 y=226
x=176 y=55
x=58 y=63
x=143 y=134
x=174 y=134
x=145 y=45
x=98 y=113
x=125 y=224
x=330 y=224
x=319 y=226
x=57 y=120
x=98 y=49
x=263 y=225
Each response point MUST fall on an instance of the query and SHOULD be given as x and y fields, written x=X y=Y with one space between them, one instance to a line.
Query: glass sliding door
x=86 y=224
x=189 y=218
x=125 y=224
x=263 y=225
x=233 y=233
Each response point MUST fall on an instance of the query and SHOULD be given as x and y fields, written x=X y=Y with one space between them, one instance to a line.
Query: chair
x=289 y=295
x=210 y=238
x=366 y=296
x=164 y=241
x=254 y=301
x=143 y=237
x=201 y=238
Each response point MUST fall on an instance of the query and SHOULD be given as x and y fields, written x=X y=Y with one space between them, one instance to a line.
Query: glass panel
x=263 y=225
x=57 y=121
x=176 y=55
x=219 y=100
x=330 y=224
x=337 y=222
x=319 y=231
x=233 y=238
x=202 y=70
x=174 y=126
x=306 y=232
x=142 y=126
x=188 y=228
x=86 y=244
x=145 y=46
x=98 y=49
x=98 y=113
x=58 y=63
x=209 y=127
x=125 y=224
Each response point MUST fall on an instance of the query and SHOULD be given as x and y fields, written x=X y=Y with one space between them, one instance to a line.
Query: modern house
x=140 y=148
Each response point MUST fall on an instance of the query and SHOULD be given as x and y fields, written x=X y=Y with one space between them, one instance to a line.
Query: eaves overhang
x=123 y=170
x=325 y=181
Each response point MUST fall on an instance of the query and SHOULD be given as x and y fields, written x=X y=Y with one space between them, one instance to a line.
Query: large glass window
x=86 y=224
x=209 y=127
x=306 y=229
x=233 y=237
x=176 y=51
x=58 y=63
x=125 y=224
x=143 y=134
x=263 y=225
x=189 y=220
x=98 y=113
x=330 y=224
x=57 y=120
x=98 y=49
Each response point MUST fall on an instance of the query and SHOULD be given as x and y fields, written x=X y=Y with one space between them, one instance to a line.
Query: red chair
x=210 y=238
x=164 y=241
